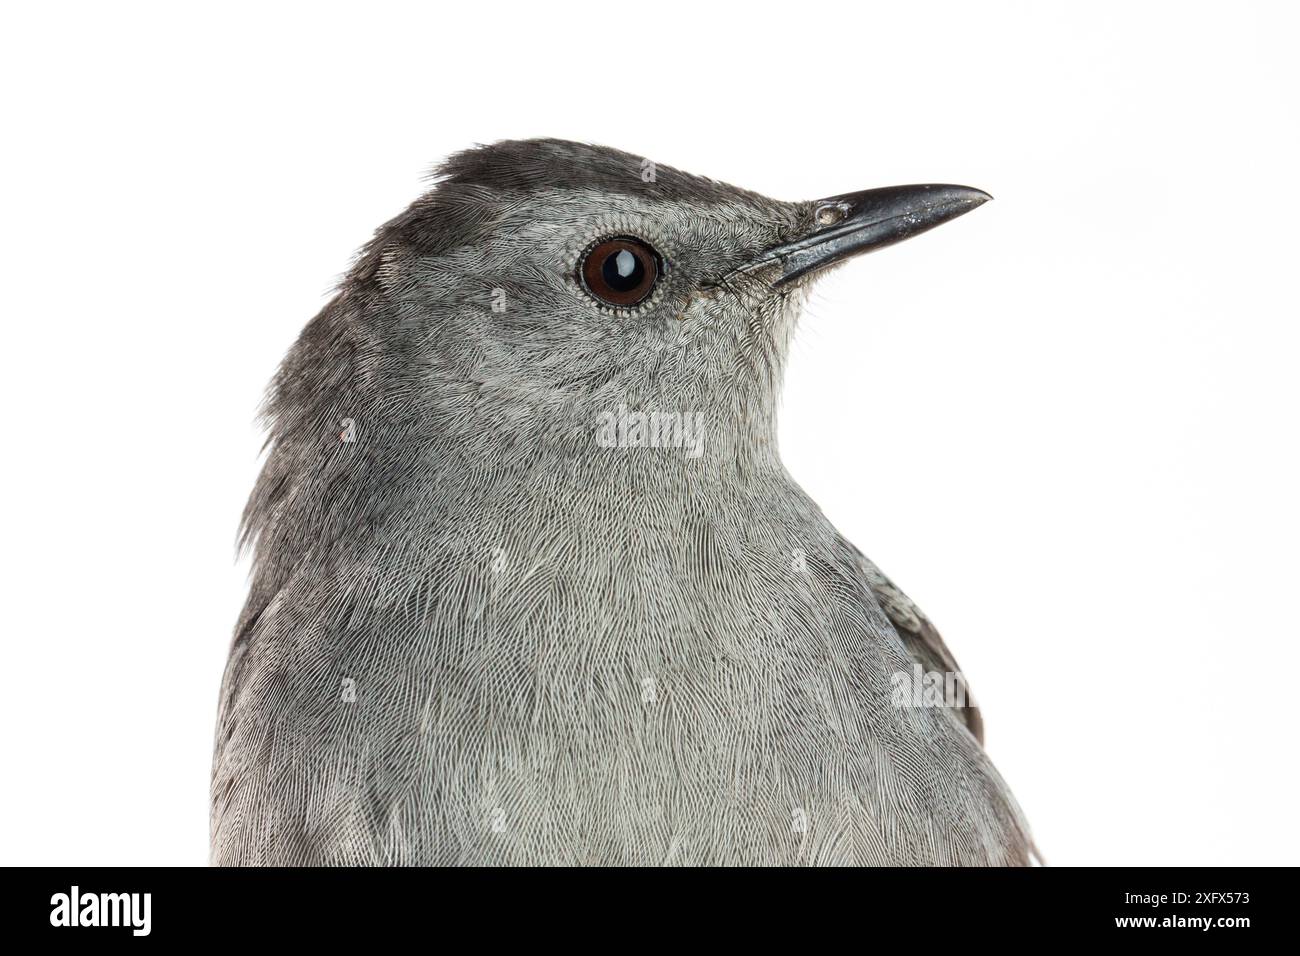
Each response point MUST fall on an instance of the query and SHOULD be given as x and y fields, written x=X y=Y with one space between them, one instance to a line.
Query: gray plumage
x=475 y=634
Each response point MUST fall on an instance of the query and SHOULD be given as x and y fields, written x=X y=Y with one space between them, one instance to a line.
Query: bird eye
x=620 y=271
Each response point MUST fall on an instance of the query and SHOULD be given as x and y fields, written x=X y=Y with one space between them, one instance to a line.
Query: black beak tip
x=855 y=223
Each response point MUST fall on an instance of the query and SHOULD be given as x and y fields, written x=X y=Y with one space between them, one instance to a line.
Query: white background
x=1086 y=389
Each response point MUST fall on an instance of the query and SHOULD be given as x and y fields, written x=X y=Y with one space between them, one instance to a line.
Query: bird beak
x=854 y=223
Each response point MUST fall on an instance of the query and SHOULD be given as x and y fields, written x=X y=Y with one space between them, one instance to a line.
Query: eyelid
x=631 y=225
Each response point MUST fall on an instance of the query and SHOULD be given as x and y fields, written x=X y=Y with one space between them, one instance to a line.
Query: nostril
x=828 y=214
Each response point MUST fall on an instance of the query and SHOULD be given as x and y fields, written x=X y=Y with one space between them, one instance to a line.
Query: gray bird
x=531 y=584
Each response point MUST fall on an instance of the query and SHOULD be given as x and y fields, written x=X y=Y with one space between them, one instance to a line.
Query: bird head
x=542 y=284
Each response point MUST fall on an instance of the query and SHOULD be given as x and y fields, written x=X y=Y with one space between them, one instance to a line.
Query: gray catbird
x=531 y=583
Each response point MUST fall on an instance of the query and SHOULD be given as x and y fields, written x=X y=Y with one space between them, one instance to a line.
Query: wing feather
x=921 y=638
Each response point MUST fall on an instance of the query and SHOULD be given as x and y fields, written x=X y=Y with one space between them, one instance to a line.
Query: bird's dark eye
x=620 y=271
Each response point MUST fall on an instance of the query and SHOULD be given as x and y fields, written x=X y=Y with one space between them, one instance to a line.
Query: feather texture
x=477 y=635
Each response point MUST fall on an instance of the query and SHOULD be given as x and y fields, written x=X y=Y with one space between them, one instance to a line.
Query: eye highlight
x=621 y=271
